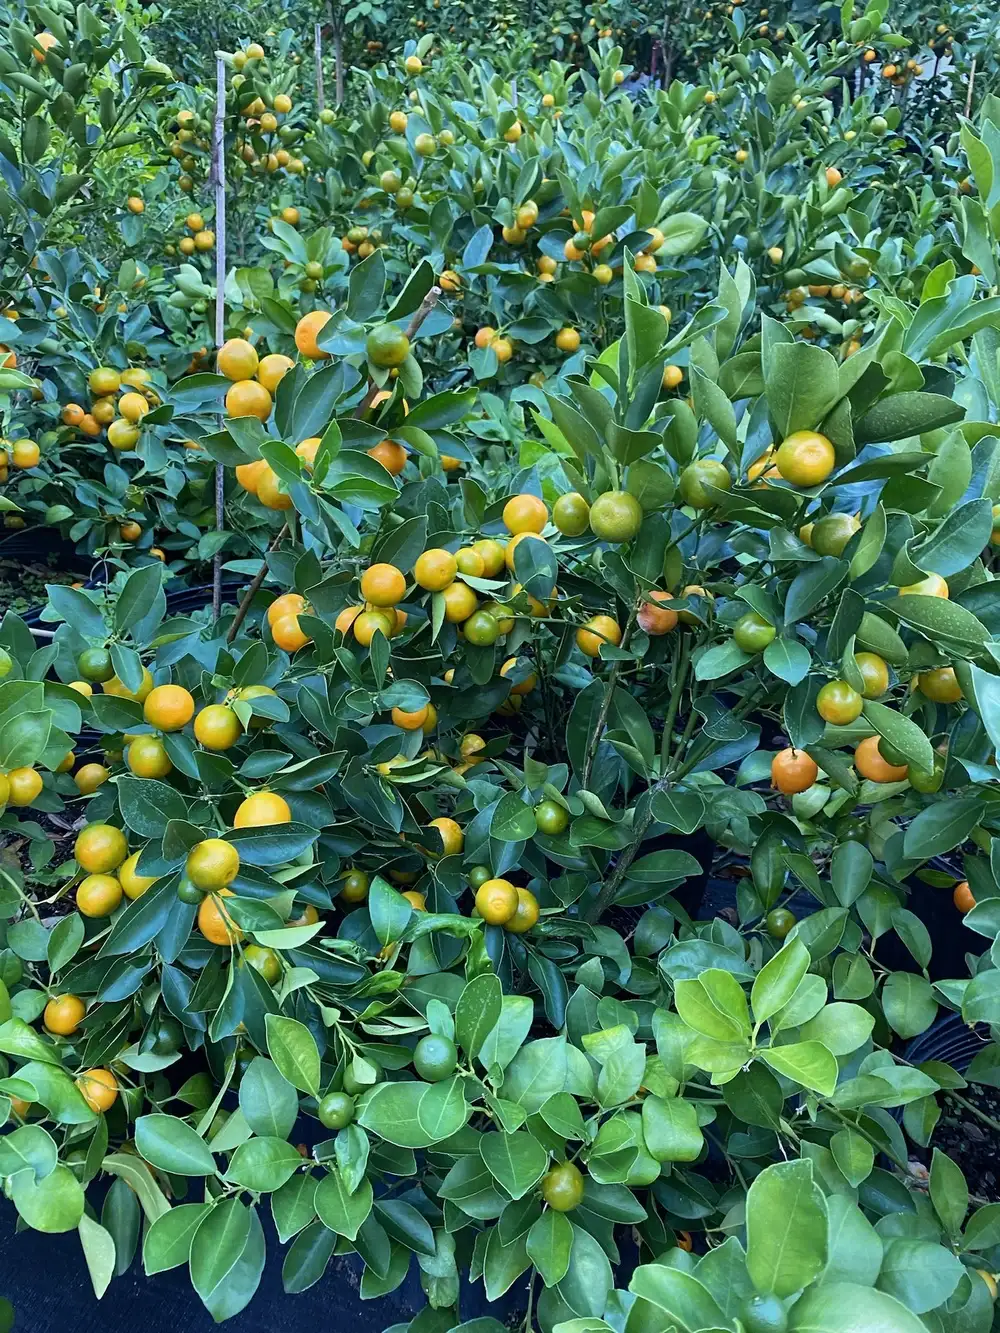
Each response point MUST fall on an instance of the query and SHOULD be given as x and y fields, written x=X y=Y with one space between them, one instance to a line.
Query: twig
x=420 y=314
x=252 y=591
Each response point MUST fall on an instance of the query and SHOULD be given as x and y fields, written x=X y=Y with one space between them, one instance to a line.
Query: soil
x=22 y=583
x=969 y=1142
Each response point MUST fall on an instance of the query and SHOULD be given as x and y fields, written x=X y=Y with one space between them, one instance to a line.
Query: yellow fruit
x=98 y=895
x=99 y=1088
x=215 y=923
x=133 y=884
x=262 y=809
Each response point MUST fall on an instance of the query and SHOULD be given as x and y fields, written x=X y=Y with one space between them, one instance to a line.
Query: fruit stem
x=254 y=588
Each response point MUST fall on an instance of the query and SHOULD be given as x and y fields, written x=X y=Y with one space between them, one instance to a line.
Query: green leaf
x=682 y=232
x=853 y=1154
x=909 y=1003
x=957 y=541
x=686 y=1304
x=227 y=1258
x=293 y=1049
x=389 y=911
x=714 y=1004
x=339 y=1209
x=478 y=1011
x=803 y=384
x=147 y=805
x=263 y=1164
x=170 y=1144
x=919 y=1273
x=138 y=597
x=949 y=1192
x=901 y=733
x=268 y=1100
x=812 y=585
x=513 y=820
x=549 y=1243
x=807 y=1062
x=536 y=1072
x=786 y=1223
x=904 y=414
x=167 y=1243
x=53 y=1204
x=99 y=1252
x=671 y=1130
x=517 y=1161
x=942 y=826
x=840 y=1027
x=843 y=1307
x=779 y=978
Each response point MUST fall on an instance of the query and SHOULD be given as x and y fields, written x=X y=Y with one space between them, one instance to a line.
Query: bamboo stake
x=219 y=176
x=318 y=55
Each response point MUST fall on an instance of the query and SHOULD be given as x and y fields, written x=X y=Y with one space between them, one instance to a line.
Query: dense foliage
x=598 y=479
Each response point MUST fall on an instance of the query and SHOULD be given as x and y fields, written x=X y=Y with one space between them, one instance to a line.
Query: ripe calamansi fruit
x=217 y=727
x=248 y=398
x=288 y=604
x=307 y=331
x=491 y=552
x=89 y=777
x=839 y=703
x=524 y=686
x=409 y=721
x=237 y=359
x=335 y=1110
x=98 y=895
x=261 y=809
x=459 y=602
x=100 y=848
x=23 y=785
x=793 y=771
x=753 y=633
x=571 y=514
x=525 y=513
x=598 y=630
x=387 y=346
x=147 y=757
x=435 y=569
x=940 y=685
x=805 y=458
x=214 y=921
x=932 y=586
x=435 y=1057
x=382 y=585
x=831 y=533
x=563 y=1187
x=963 y=897
x=369 y=623
x=526 y=915
x=63 y=1014
x=288 y=634
x=450 y=832
x=568 y=339
x=133 y=884
x=271 y=370
x=168 y=707
x=698 y=476
x=496 y=901
x=120 y=691
x=99 y=1088
x=417 y=900
x=212 y=864
x=615 y=516
x=872 y=764
x=875 y=673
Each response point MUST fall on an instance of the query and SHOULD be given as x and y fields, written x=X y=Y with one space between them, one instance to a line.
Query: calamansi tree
x=358 y=847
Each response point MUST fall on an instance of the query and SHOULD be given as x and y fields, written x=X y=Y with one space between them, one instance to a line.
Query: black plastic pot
x=949 y=1039
x=183 y=601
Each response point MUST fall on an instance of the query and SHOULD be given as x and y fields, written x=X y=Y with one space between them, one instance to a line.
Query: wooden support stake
x=318 y=55
x=219 y=176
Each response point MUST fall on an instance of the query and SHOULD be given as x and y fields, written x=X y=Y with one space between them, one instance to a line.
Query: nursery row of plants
x=503 y=772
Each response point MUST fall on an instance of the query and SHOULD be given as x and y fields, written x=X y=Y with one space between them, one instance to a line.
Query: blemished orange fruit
x=306 y=332
x=654 y=619
x=99 y=1088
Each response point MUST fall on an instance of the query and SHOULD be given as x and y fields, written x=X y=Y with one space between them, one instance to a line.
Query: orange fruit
x=523 y=686
x=23 y=785
x=271 y=370
x=409 y=721
x=99 y=1088
x=492 y=554
x=248 y=398
x=391 y=455
x=793 y=771
x=931 y=586
x=940 y=685
x=598 y=630
x=269 y=491
x=870 y=763
x=287 y=604
x=249 y=474
x=962 y=897
x=168 y=707
x=654 y=619
x=217 y=727
x=214 y=922
x=346 y=619
x=114 y=686
x=212 y=864
x=805 y=458
x=307 y=449
x=237 y=359
x=417 y=900
x=89 y=777
x=452 y=837
x=383 y=585
x=100 y=848
x=63 y=1014
x=435 y=569
x=288 y=634
x=459 y=602
x=261 y=809
x=368 y=623
x=98 y=895
x=147 y=757
x=526 y=914
x=568 y=339
x=525 y=513
x=306 y=332
x=496 y=901
x=133 y=884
